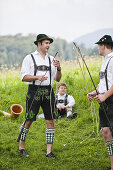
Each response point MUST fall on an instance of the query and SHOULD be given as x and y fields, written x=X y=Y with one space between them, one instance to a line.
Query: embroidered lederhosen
x=39 y=95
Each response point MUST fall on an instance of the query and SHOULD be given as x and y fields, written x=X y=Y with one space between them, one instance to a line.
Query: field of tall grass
x=78 y=144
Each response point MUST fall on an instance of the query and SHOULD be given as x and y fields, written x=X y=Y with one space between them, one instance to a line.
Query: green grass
x=77 y=145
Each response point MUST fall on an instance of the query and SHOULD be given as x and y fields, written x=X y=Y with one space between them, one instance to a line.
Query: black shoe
x=59 y=117
x=23 y=152
x=109 y=168
x=50 y=155
x=74 y=115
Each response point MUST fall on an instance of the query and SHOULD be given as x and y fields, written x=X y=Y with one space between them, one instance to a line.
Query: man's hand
x=56 y=63
x=42 y=78
x=91 y=95
x=100 y=98
x=58 y=76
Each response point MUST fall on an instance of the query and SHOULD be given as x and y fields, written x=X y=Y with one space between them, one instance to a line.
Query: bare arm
x=56 y=63
x=58 y=76
x=109 y=92
x=29 y=78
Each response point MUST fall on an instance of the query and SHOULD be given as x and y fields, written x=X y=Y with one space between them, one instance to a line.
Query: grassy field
x=78 y=144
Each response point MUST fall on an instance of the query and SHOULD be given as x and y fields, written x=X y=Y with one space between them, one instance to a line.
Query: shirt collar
x=109 y=55
x=37 y=53
x=62 y=95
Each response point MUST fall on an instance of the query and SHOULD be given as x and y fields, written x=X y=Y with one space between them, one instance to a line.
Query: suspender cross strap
x=106 y=73
x=39 y=68
x=50 y=68
x=61 y=101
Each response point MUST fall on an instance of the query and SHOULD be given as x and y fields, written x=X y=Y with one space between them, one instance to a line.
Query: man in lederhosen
x=39 y=69
x=105 y=93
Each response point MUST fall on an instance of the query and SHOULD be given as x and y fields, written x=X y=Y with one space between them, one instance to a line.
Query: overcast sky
x=67 y=19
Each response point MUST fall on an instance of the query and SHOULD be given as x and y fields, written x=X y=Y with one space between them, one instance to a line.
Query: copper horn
x=16 y=110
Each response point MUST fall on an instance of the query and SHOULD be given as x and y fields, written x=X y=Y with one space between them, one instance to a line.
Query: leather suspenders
x=106 y=73
x=41 y=68
x=61 y=101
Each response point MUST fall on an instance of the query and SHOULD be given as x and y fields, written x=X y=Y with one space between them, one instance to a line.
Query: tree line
x=13 y=49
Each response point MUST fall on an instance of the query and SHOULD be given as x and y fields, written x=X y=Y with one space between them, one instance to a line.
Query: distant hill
x=89 y=39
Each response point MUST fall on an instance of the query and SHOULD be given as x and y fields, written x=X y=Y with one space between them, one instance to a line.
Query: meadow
x=78 y=143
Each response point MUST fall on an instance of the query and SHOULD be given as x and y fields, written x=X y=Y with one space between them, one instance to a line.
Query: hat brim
x=106 y=43
x=41 y=39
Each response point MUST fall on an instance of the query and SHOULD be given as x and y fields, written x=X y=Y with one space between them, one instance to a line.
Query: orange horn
x=16 y=110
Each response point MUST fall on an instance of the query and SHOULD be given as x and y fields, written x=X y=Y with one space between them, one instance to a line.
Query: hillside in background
x=13 y=49
x=89 y=39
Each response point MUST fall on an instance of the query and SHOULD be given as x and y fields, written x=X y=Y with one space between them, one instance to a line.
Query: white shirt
x=70 y=100
x=28 y=68
x=102 y=84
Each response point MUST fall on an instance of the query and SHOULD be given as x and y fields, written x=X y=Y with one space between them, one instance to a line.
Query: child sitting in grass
x=64 y=102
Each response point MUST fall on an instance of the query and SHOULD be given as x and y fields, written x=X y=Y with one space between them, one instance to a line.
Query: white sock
x=69 y=113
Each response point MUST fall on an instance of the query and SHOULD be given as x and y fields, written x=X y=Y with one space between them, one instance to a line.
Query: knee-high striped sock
x=50 y=133
x=110 y=147
x=24 y=134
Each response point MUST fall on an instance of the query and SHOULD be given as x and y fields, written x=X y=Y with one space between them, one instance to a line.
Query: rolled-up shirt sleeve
x=25 y=70
x=70 y=101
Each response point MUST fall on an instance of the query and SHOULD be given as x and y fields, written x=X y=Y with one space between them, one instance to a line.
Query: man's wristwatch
x=58 y=68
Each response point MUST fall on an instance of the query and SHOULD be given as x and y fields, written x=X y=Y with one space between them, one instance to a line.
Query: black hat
x=106 y=39
x=41 y=37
